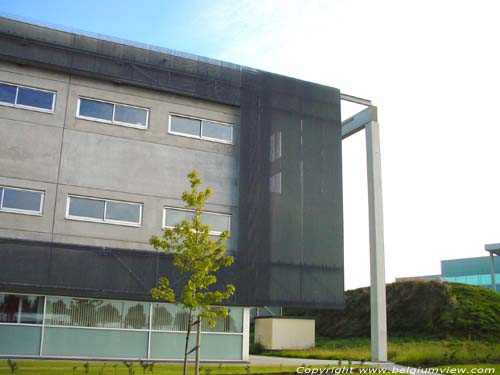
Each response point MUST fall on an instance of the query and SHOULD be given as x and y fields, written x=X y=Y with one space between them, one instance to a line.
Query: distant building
x=419 y=278
x=482 y=271
x=473 y=271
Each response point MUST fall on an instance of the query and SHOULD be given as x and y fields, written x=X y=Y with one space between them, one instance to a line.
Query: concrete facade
x=62 y=154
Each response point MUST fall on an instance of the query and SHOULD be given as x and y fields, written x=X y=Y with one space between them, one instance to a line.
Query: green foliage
x=256 y=348
x=146 y=366
x=416 y=309
x=130 y=367
x=12 y=366
x=197 y=257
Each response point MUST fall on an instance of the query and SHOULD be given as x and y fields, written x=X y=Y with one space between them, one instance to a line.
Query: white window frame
x=104 y=220
x=18 y=210
x=275 y=147
x=21 y=106
x=275 y=183
x=113 y=121
x=202 y=120
x=212 y=232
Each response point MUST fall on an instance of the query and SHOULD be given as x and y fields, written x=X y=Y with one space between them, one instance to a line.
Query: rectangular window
x=213 y=130
x=217 y=222
x=21 y=309
x=113 y=113
x=275 y=183
x=170 y=317
x=96 y=313
x=200 y=128
x=275 y=147
x=104 y=211
x=27 y=97
x=21 y=201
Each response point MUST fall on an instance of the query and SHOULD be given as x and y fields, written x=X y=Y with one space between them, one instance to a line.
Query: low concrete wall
x=284 y=333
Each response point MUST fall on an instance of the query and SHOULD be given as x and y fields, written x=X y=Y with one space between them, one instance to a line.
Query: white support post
x=492 y=264
x=377 y=261
x=245 y=352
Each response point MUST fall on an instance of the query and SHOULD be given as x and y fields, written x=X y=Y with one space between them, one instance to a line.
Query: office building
x=96 y=139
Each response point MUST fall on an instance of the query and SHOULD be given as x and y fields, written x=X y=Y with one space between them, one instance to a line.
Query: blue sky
x=173 y=24
x=431 y=67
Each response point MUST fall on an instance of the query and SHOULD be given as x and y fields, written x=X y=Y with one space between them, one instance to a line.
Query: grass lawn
x=38 y=367
x=409 y=352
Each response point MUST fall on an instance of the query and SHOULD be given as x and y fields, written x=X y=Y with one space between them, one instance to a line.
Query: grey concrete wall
x=61 y=154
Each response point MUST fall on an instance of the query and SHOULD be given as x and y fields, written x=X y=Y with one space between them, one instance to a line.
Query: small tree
x=198 y=259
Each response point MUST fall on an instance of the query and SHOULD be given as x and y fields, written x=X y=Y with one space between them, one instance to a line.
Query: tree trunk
x=198 y=343
x=186 y=347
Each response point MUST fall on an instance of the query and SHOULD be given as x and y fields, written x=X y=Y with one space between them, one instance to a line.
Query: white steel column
x=245 y=355
x=377 y=260
x=492 y=264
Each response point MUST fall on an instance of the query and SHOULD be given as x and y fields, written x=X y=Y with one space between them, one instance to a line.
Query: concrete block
x=285 y=333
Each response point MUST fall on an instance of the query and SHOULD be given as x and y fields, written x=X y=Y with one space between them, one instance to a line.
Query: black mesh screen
x=291 y=238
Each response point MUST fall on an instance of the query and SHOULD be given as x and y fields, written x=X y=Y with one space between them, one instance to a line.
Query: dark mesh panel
x=291 y=243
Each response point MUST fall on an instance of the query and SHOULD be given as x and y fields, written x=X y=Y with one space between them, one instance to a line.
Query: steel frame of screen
x=367 y=119
x=493 y=249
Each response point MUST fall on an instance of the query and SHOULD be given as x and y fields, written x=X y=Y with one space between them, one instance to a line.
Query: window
x=275 y=147
x=275 y=183
x=202 y=129
x=104 y=211
x=21 y=201
x=217 y=222
x=22 y=309
x=27 y=97
x=113 y=113
x=170 y=317
x=96 y=313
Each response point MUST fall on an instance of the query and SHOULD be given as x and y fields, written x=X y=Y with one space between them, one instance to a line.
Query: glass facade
x=473 y=271
x=483 y=280
x=83 y=327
